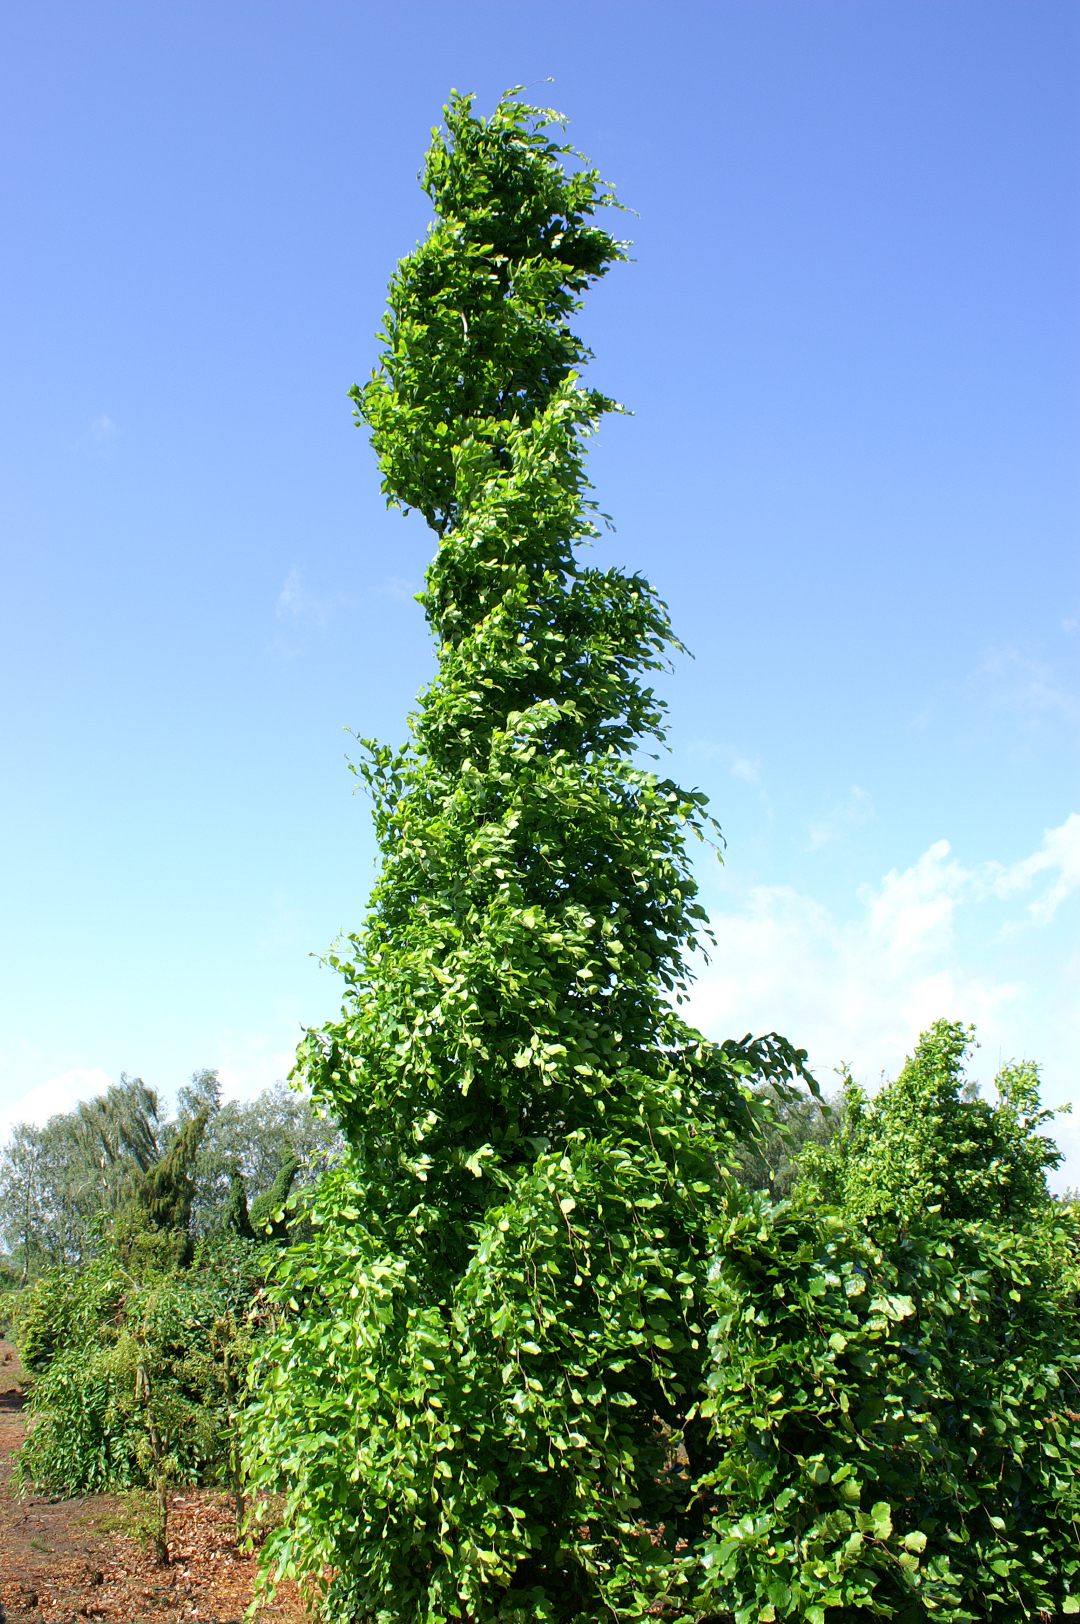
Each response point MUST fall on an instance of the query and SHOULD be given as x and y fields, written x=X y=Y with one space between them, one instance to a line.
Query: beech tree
x=895 y=1389
x=927 y=1142
x=483 y=1402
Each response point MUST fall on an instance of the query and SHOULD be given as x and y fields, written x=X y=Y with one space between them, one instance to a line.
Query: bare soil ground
x=68 y=1560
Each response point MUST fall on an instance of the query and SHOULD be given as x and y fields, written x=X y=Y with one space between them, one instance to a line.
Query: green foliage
x=134 y=1375
x=57 y=1182
x=236 y=1218
x=895 y=1418
x=476 y=337
x=166 y=1190
x=152 y=1229
x=252 y=1140
x=773 y=1161
x=925 y=1144
x=267 y=1215
x=499 y=1334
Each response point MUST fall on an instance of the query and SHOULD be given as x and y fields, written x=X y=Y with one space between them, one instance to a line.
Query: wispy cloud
x=746 y=770
x=300 y=610
x=402 y=591
x=58 y=1094
x=855 y=808
x=296 y=602
x=251 y=1063
x=291 y=597
x=854 y=990
x=103 y=428
x=1059 y=855
x=1031 y=689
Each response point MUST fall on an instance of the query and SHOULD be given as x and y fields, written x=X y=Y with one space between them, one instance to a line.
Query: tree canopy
x=121 y=1159
x=928 y=1143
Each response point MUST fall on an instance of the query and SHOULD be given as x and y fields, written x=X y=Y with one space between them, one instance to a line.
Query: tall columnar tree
x=484 y=1406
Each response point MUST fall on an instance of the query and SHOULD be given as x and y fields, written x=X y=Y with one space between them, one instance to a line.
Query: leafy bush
x=135 y=1378
x=927 y=1142
x=267 y=1215
x=895 y=1410
x=895 y=1381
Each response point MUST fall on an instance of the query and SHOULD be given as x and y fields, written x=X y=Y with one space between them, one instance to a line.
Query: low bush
x=895 y=1415
x=138 y=1377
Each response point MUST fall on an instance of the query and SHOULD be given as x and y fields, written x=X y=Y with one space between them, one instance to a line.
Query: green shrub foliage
x=896 y=1418
x=481 y=1403
x=267 y=1216
x=895 y=1380
x=927 y=1142
x=135 y=1374
x=236 y=1219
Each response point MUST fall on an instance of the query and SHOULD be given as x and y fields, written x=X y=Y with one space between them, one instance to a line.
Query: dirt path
x=68 y=1560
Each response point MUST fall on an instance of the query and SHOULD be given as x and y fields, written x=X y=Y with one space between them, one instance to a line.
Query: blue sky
x=850 y=343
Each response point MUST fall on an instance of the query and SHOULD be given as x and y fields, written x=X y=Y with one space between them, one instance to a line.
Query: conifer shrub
x=267 y=1215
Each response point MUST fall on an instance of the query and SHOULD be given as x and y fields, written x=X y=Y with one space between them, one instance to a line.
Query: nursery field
x=83 y=1558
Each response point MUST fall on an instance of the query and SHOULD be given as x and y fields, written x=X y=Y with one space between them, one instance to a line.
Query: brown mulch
x=68 y=1560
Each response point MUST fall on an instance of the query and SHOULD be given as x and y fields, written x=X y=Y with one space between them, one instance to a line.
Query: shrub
x=135 y=1378
x=895 y=1417
x=927 y=1142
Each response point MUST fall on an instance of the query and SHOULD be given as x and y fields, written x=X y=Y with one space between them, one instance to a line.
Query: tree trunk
x=160 y=1531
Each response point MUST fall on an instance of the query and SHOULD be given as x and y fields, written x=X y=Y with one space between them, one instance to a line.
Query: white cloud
x=291 y=596
x=748 y=771
x=395 y=587
x=859 y=989
x=248 y=1064
x=1059 y=851
x=302 y=611
x=50 y=1098
x=854 y=992
x=296 y=602
x=1031 y=689
x=103 y=428
x=911 y=915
